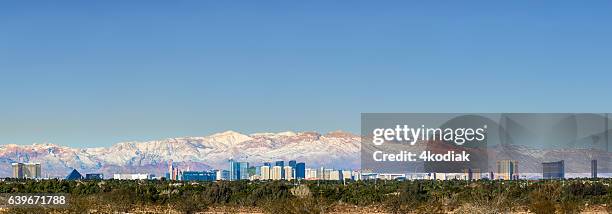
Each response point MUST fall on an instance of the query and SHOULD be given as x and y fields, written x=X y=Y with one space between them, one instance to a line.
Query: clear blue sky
x=93 y=73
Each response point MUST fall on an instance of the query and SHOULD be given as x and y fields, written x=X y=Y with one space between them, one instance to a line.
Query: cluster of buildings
x=176 y=174
x=509 y=170
x=506 y=170
x=293 y=171
x=239 y=170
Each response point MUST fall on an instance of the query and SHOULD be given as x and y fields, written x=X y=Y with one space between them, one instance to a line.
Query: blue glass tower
x=300 y=170
x=553 y=170
x=199 y=176
x=234 y=170
x=243 y=170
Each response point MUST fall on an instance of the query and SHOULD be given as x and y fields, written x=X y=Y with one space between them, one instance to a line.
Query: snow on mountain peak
x=274 y=135
x=229 y=137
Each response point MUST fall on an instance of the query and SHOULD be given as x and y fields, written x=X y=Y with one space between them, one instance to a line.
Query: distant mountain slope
x=335 y=149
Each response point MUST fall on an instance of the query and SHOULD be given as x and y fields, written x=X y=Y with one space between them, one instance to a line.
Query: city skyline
x=265 y=171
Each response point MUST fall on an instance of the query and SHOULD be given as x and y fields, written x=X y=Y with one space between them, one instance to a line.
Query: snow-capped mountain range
x=338 y=149
x=335 y=149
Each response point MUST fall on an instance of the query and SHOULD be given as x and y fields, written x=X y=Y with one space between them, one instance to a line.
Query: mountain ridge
x=334 y=149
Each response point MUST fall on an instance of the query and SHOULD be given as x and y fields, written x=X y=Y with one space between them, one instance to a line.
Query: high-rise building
x=593 y=168
x=346 y=175
x=288 y=173
x=238 y=170
x=32 y=170
x=327 y=174
x=233 y=170
x=276 y=173
x=335 y=175
x=265 y=173
x=170 y=174
x=300 y=170
x=26 y=170
x=292 y=164
x=311 y=174
x=176 y=174
x=257 y=171
x=553 y=170
x=282 y=165
x=321 y=173
x=243 y=170
x=17 y=170
x=507 y=169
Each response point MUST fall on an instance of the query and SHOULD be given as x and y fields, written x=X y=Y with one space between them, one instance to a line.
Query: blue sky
x=84 y=74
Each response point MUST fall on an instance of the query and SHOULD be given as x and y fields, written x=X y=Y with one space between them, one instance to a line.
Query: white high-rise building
x=265 y=173
x=335 y=175
x=346 y=175
x=311 y=174
x=26 y=170
x=288 y=173
x=323 y=173
x=327 y=174
x=276 y=173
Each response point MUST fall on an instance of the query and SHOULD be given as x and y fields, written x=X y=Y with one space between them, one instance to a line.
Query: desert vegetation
x=421 y=196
